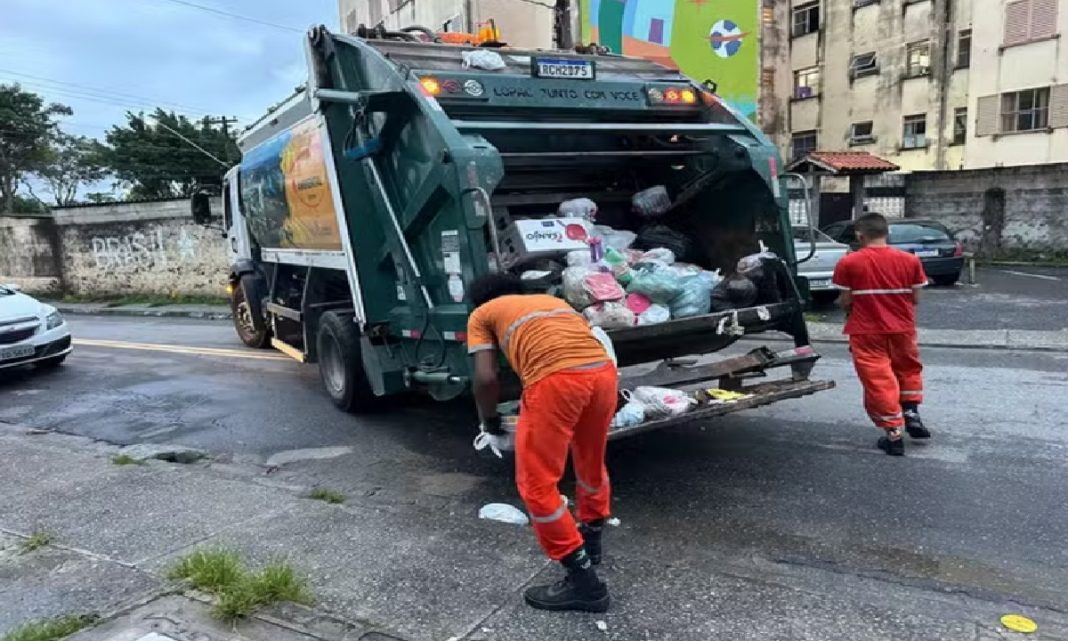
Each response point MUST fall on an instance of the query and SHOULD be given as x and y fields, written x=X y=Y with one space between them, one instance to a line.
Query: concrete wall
x=129 y=248
x=999 y=212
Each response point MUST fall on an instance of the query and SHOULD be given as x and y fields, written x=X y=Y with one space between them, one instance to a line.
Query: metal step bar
x=663 y=128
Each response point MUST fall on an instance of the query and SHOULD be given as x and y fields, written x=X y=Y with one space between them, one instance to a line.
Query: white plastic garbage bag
x=579 y=258
x=654 y=314
x=631 y=414
x=662 y=402
x=618 y=239
x=578 y=208
x=483 y=59
x=652 y=202
x=504 y=513
x=610 y=315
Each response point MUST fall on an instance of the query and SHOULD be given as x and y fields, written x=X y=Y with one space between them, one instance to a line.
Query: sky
x=106 y=57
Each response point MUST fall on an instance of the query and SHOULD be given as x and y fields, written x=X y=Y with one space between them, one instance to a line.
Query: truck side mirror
x=200 y=206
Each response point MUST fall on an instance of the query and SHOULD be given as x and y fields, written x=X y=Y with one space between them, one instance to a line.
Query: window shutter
x=1017 y=22
x=1058 y=106
x=1043 y=18
x=986 y=119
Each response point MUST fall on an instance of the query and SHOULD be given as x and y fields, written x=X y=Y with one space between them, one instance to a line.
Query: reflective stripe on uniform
x=529 y=317
x=911 y=392
x=555 y=516
x=480 y=348
x=586 y=487
x=892 y=417
x=863 y=292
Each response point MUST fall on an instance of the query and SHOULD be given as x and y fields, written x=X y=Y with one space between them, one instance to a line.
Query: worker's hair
x=486 y=288
x=872 y=226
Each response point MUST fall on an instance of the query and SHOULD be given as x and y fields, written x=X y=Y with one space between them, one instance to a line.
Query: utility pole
x=562 y=34
x=225 y=122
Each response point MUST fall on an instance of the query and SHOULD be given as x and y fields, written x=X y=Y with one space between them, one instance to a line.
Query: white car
x=818 y=269
x=30 y=331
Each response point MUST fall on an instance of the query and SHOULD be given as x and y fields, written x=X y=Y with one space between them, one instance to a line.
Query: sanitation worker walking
x=880 y=286
x=569 y=398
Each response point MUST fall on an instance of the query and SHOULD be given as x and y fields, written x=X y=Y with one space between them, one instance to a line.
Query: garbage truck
x=406 y=167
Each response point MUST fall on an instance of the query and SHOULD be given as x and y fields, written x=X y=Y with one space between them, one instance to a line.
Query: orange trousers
x=890 y=370
x=568 y=410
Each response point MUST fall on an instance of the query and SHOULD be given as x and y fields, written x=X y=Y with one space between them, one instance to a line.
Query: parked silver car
x=819 y=269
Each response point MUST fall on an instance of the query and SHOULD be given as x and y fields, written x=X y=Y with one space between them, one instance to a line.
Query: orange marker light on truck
x=431 y=86
x=671 y=95
x=688 y=96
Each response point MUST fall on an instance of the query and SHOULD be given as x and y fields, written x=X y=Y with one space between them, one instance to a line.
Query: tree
x=27 y=125
x=70 y=162
x=154 y=162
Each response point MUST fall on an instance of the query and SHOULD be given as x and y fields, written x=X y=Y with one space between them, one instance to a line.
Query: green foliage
x=50 y=629
x=36 y=541
x=155 y=162
x=25 y=205
x=69 y=163
x=239 y=592
x=27 y=127
x=326 y=495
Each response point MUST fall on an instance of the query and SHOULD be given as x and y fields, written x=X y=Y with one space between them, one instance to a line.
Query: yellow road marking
x=179 y=349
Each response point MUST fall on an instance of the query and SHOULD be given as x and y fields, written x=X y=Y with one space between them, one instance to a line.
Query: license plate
x=926 y=253
x=19 y=351
x=562 y=68
x=819 y=282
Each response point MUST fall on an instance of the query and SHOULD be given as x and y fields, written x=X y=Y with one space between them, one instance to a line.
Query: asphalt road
x=793 y=494
x=1029 y=298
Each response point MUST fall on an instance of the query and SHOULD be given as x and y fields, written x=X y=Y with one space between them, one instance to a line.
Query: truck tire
x=243 y=323
x=340 y=364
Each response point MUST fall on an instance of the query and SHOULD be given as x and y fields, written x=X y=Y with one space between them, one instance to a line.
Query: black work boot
x=892 y=443
x=913 y=423
x=580 y=590
x=591 y=536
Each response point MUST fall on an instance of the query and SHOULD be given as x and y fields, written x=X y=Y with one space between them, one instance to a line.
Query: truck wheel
x=340 y=364
x=246 y=329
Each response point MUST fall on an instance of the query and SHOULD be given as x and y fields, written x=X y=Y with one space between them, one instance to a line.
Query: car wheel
x=51 y=363
x=243 y=322
x=946 y=281
x=341 y=366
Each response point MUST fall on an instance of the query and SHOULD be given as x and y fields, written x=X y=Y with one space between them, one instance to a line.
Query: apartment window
x=806 y=19
x=802 y=143
x=863 y=64
x=861 y=133
x=807 y=83
x=914 y=135
x=960 y=125
x=918 y=59
x=1029 y=20
x=1026 y=110
x=964 y=48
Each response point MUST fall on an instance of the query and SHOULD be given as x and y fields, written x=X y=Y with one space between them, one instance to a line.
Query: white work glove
x=496 y=442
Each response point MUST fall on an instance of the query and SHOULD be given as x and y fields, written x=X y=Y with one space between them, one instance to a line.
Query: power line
x=104 y=90
x=98 y=98
x=236 y=16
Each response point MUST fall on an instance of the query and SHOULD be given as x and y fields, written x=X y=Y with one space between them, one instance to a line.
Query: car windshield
x=918 y=233
x=803 y=235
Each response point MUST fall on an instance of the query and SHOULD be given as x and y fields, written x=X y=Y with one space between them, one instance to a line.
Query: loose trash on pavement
x=503 y=513
x=1019 y=623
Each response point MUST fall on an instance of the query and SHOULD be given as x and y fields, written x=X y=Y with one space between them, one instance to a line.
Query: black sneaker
x=895 y=447
x=914 y=425
x=581 y=590
x=591 y=537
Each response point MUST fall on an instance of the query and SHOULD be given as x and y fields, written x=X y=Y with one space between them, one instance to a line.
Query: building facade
x=927 y=84
x=522 y=24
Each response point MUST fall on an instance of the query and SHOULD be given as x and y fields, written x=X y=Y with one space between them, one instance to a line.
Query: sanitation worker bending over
x=569 y=398
x=880 y=286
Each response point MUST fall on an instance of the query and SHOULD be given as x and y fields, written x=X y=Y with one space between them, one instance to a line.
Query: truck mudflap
x=758 y=395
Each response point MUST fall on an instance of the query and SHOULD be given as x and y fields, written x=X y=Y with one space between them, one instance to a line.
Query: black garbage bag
x=653 y=236
x=734 y=292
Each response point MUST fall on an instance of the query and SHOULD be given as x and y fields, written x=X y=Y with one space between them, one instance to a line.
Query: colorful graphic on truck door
x=714 y=40
x=285 y=192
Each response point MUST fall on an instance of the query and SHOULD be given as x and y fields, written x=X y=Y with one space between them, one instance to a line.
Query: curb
x=160 y=312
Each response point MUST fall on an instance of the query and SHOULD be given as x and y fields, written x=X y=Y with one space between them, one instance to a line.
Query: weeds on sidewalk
x=37 y=540
x=50 y=629
x=238 y=591
x=149 y=300
x=326 y=495
x=125 y=459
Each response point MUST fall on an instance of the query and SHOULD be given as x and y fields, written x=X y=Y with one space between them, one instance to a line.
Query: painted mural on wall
x=707 y=39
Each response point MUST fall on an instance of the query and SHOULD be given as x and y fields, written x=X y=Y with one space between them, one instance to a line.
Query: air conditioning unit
x=862 y=140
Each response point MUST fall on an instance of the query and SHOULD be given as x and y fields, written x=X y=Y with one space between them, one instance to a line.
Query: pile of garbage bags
x=616 y=286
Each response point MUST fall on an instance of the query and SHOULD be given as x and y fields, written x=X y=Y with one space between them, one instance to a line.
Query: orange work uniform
x=569 y=399
x=882 y=329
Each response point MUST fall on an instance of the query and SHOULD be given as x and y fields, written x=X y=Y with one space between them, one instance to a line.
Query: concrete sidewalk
x=1055 y=341
x=406 y=570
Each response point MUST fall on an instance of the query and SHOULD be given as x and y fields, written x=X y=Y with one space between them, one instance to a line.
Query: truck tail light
x=672 y=96
x=430 y=86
